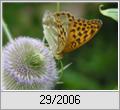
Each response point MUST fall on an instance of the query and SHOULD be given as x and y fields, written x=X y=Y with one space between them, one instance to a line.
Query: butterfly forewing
x=80 y=32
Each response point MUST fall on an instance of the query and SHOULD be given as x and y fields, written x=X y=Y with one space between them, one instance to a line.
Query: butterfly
x=64 y=33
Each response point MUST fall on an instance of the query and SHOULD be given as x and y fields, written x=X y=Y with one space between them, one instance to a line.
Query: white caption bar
x=60 y=100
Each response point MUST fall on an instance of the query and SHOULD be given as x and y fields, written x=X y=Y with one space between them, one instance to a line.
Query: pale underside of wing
x=50 y=31
x=50 y=35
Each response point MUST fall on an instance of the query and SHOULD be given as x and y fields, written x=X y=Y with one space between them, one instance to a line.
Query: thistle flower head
x=28 y=64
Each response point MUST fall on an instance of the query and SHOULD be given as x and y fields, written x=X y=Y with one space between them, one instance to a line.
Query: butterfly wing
x=50 y=31
x=80 y=32
x=54 y=32
x=63 y=20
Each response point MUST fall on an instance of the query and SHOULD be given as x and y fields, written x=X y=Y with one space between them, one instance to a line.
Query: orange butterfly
x=64 y=33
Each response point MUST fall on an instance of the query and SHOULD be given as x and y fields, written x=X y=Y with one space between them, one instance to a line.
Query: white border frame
x=3 y=1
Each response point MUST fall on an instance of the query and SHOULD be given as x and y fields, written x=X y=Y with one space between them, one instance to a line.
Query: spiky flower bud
x=28 y=64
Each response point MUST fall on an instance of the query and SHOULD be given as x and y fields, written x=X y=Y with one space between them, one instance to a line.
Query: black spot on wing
x=84 y=24
x=75 y=22
x=83 y=29
x=68 y=14
x=74 y=36
x=78 y=40
x=92 y=31
x=61 y=32
x=73 y=30
x=74 y=25
x=85 y=32
x=85 y=36
x=78 y=29
x=80 y=34
x=58 y=14
x=64 y=33
x=70 y=19
x=80 y=24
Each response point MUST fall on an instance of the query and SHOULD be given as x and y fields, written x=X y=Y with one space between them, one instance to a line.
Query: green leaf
x=65 y=67
x=111 y=12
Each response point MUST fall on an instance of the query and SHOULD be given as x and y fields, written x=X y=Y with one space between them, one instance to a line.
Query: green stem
x=43 y=39
x=58 y=6
x=7 y=31
x=61 y=64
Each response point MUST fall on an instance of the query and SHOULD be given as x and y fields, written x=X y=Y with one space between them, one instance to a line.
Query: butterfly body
x=69 y=33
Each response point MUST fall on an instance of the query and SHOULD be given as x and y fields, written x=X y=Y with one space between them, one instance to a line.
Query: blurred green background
x=94 y=65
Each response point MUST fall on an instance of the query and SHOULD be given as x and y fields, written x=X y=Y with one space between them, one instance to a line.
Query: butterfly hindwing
x=80 y=32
